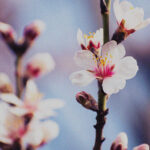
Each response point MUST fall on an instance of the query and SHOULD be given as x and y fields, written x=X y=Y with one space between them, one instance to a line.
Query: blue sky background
x=129 y=108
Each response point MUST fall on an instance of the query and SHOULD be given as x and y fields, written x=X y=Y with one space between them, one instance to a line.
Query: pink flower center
x=34 y=72
x=103 y=72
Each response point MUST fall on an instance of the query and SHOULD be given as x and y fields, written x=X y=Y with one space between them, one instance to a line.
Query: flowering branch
x=102 y=96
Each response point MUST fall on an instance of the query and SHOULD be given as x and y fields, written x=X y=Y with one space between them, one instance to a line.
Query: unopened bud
x=87 y=101
x=121 y=142
x=5 y=84
x=7 y=32
x=142 y=147
x=39 y=64
x=33 y=30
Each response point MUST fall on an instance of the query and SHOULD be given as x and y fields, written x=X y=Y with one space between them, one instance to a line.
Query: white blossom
x=39 y=133
x=129 y=18
x=93 y=40
x=109 y=67
x=32 y=103
x=39 y=64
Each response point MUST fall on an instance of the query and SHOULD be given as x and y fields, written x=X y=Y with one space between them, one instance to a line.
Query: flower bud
x=5 y=84
x=142 y=147
x=33 y=30
x=87 y=101
x=120 y=143
x=39 y=64
x=7 y=32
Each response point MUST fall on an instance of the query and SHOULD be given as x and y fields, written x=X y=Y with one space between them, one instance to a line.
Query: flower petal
x=122 y=139
x=51 y=104
x=82 y=78
x=133 y=18
x=50 y=130
x=142 y=147
x=11 y=99
x=117 y=10
x=99 y=36
x=34 y=135
x=128 y=67
x=143 y=24
x=85 y=59
x=113 y=84
x=32 y=94
x=80 y=38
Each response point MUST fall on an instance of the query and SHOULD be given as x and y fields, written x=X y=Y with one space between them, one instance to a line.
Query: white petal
x=108 y=47
x=143 y=24
x=34 y=135
x=50 y=130
x=117 y=10
x=113 y=84
x=85 y=59
x=113 y=52
x=121 y=50
x=99 y=36
x=32 y=94
x=80 y=38
x=4 y=79
x=82 y=78
x=126 y=6
x=133 y=18
x=5 y=140
x=128 y=67
x=142 y=147
x=18 y=111
x=122 y=139
x=51 y=104
x=11 y=98
x=44 y=113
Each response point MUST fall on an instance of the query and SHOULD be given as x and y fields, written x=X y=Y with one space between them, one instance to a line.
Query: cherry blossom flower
x=109 y=67
x=39 y=64
x=5 y=83
x=91 y=41
x=32 y=104
x=121 y=142
x=129 y=18
x=12 y=127
x=39 y=133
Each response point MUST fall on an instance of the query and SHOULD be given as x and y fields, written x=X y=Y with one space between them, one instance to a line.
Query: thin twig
x=101 y=118
x=18 y=66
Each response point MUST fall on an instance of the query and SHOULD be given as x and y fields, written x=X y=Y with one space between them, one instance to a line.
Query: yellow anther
x=131 y=7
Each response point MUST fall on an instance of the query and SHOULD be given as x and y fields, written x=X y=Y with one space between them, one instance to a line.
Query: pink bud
x=7 y=32
x=87 y=101
x=121 y=141
x=39 y=64
x=142 y=147
x=33 y=30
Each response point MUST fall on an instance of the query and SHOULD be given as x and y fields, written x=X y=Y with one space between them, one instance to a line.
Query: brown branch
x=101 y=118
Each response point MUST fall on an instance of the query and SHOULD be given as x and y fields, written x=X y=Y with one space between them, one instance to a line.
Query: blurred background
x=129 y=109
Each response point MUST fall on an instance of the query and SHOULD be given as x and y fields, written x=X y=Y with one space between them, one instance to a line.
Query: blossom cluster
x=24 y=120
